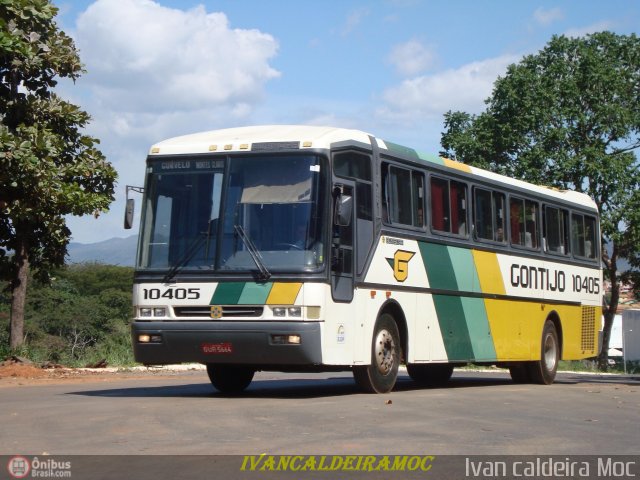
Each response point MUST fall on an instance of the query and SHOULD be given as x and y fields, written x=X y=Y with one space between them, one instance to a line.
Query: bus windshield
x=247 y=214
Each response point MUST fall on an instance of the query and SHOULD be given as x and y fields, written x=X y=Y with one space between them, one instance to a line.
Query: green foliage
x=568 y=117
x=48 y=167
x=81 y=316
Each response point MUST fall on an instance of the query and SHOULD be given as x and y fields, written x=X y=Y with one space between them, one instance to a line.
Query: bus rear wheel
x=381 y=375
x=230 y=378
x=544 y=370
x=432 y=374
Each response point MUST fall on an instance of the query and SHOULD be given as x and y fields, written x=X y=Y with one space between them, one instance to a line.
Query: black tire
x=381 y=375
x=520 y=372
x=430 y=375
x=230 y=378
x=544 y=370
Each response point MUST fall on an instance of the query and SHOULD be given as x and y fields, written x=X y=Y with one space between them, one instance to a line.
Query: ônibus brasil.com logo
x=20 y=467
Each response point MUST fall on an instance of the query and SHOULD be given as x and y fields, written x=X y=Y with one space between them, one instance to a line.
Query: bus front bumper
x=249 y=343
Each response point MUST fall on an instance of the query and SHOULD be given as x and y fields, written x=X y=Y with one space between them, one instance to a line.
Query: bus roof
x=233 y=139
x=318 y=137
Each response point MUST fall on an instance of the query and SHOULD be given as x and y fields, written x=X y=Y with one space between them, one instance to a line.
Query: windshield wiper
x=253 y=251
x=185 y=258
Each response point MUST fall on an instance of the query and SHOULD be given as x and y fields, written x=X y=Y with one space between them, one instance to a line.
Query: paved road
x=477 y=413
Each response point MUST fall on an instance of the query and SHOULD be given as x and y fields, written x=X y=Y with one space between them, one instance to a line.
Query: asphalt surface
x=180 y=413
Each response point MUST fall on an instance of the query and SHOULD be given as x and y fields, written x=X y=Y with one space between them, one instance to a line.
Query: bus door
x=342 y=252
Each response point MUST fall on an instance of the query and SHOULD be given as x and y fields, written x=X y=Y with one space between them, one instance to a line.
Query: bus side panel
x=509 y=320
x=398 y=266
x=425 y=341
x=512 y=324
x=461 y=312
x=342 y=330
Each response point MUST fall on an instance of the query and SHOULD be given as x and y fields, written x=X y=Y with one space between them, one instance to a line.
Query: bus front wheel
x=381 y=375
x=230 y=378
x=544 y=371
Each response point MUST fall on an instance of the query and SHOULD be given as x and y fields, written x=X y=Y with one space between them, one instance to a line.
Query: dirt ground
x=19 y=373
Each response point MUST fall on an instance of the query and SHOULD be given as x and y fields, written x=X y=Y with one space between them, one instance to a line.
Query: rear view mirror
x=130 y=207
x=128 y=213
x=344 y=210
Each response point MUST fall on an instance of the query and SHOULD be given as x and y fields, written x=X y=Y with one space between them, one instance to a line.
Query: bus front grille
x=230 y=311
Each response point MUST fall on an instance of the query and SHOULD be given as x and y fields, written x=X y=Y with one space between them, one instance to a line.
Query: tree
x=49 y=168
x=569 y=117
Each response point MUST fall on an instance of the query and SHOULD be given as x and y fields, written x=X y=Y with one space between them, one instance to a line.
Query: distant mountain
x=115 y=251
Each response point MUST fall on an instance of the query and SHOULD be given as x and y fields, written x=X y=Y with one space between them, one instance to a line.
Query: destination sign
x=185 y=165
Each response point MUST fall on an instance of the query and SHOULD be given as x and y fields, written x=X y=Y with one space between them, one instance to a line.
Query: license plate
x=217 y=348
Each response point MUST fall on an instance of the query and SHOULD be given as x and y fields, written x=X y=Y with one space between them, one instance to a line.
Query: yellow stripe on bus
x=283 y=293
x=516 y=328
x=489 y=272
x=512 y=326
x=457 y=165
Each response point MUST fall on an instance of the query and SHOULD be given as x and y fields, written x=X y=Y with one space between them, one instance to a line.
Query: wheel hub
x=550 y=352
x=385 y=350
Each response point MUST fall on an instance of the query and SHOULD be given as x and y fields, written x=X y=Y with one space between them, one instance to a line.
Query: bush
x=82 y=316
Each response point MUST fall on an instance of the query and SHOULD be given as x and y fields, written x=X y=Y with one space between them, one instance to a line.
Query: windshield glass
x=266 y=216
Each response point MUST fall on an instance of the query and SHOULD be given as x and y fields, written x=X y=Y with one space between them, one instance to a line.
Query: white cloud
x=547 y=17
x=596 y=27
x=354 y=19
x=411 y=58
x=143 y=56
x=430 y=96
x=156 y=72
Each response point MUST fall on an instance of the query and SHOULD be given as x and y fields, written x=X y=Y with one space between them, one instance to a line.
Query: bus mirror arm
x=336 y=258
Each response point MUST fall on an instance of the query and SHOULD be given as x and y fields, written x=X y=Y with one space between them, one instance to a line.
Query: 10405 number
x=586 y=284
x=171 y=293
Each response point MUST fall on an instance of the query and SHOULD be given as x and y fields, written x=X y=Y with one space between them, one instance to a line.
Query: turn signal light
x=277 y=339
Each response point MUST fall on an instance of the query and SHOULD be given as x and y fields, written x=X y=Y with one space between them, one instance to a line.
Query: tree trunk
x=18 y=295
x=610 y=310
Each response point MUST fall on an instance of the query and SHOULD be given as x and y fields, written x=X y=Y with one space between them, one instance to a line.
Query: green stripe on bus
x=401 y=150
x=479 y=329
x=430 y=157
x=451 y=316
x=463 y=320
x=227 y=293
x=464 y=269
x=437 y=263
x=255 y=293
x=455 y=335
x=475 y=312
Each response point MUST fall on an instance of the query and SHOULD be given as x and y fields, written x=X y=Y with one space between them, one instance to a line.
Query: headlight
x=147 y=312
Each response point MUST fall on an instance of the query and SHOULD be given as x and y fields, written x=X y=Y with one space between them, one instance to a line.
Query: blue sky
x=157 y=69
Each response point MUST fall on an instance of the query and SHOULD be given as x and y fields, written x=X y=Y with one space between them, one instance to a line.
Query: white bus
x=301 y=248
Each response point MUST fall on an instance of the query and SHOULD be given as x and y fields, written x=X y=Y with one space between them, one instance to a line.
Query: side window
x=352 y=165
x=556 y=230
x=488 y=215
x=448 y=206
x=400 y=196
x=523 y=218
x=358 y=167
x=403 y=192
x=417 y=191
x=583 y=236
